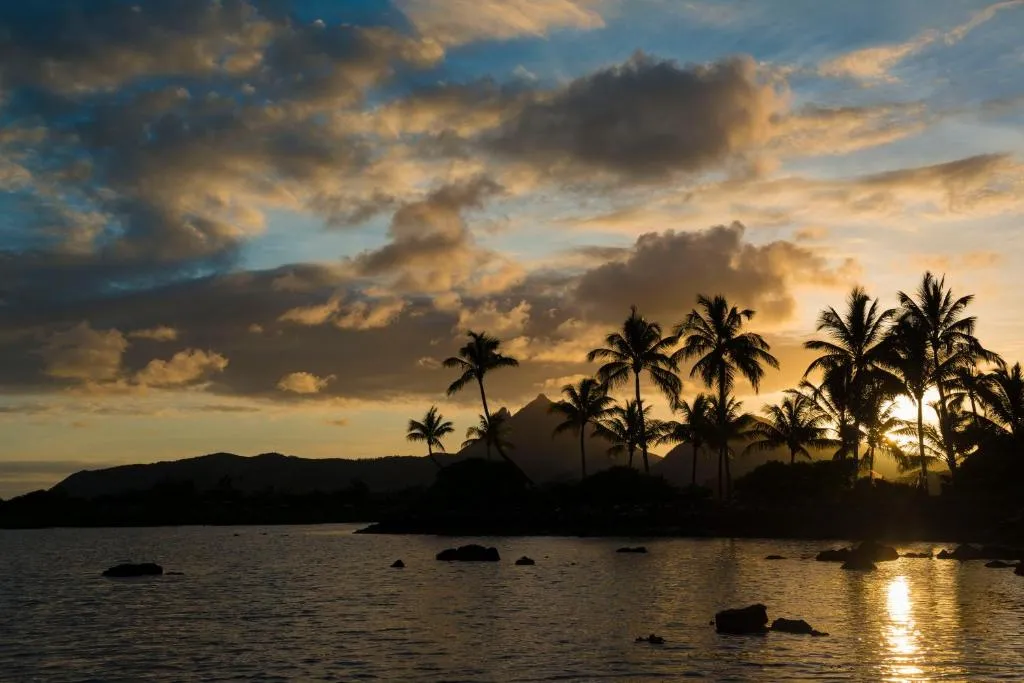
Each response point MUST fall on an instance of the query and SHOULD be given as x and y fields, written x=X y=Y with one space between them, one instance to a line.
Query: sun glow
x=906 y=408
x=901 y=634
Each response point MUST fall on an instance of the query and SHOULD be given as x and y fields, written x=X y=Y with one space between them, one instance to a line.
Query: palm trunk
x=430 y=454
x=723 y=454
x=920 y=441
x=643 y=425
x=497 y=444
x=792 y=456
x=693 y=479
x=583 y=451
x=632 y=451
x=943 y=420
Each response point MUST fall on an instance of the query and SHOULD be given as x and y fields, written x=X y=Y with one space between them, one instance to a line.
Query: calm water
x=319 y=603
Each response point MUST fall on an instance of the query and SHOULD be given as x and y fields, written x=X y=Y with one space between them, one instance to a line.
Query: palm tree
x=478 y=357
x=695 y=428
x=910 y=363
x=1003 y=397
x=431 y=429
x=584 y=404
x=731 y=425
x=852 y=349
x=638 y=347
x=832 y=398
x=621 y=427
x=795 y=424
x=949 y=332
x=713 y=338
x=491 y=431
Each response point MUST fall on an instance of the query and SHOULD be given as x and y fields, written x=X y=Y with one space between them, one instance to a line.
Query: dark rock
x=128 y=569
x=962 y=552
x=1019 y=571
x=469 y=553
x=999 y=564
x=524 y=561
x=637 y=549
x=775 y=557
x=652 y=639
x=795 y=626
x=743 y=621
x=876 y=552
x=926 y=556
x=1001 y=552
x=175 y=573
x=398 y=564
x=834 y=555
x=859 y=563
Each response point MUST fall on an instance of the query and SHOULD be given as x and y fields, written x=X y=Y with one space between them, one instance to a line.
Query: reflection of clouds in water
x=901 y=634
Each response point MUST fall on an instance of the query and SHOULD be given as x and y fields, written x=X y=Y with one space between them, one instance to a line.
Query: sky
x=260 y=225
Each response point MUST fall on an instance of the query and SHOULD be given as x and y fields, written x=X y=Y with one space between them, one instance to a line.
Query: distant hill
x=677 y=465
x=545 y=456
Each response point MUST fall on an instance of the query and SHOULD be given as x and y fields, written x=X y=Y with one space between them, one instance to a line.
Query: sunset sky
x=259 y=225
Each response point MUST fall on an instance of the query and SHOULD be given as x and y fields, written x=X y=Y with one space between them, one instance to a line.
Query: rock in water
x=637 y=549
x=858 y=563
x=652 y=639
x=876 y=552
x=398 y=564
x=999 y=564
x=834 y=555
x=795 y=626
x=469 y=553
x=524 y=561
x=1019 y=571
x=924 y=556
x=775 y=557
x=743 y=621
x=128 y=569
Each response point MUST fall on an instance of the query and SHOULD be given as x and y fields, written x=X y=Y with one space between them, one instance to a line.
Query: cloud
x=494 y=320
x=184 y=367
x=357 y=315
x=160 y=334
x=84 y=354
x=646 y=119
x=303 y=383
x=454 y=22
x=665 y=271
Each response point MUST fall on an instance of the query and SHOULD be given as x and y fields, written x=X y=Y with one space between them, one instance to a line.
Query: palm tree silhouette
x=585 y=403
x=878 y=429
x=1003 y=397
x=431 y=429
x=695 y=428
x=730 y=426
x=480 y=355
x=638 y=347
x=910 y=363
x=851 y=350
x=491 y=431
x=713 y=338
x=796 y=424
x=950 y=336
x=833 y=397
x=621 y=428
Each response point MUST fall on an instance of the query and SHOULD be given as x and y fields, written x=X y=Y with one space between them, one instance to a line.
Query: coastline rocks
x=752 y=619
x=637 y=549
x=966 y=551
x=962 y=552
x=775 y=557
x=652 y=639
x=128 y=569
x=398 y=564
x=866 y=553
x=798 y=626
x=469 y=553
x=525 y=561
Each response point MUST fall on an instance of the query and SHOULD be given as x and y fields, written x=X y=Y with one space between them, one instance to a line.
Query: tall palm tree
x=695 y=427
x=833 y=398
x=491 y=431
x=851 y=349
x=713 y=338
x=480 y=355
x=796 y=424
x=638 y=347
x=910 y=362
x=431 y=429
x=621 y=428
x=949 y=332
x=585 y=403
x=1003 y=397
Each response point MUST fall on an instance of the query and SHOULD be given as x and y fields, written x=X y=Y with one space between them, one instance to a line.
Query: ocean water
x=321 y=603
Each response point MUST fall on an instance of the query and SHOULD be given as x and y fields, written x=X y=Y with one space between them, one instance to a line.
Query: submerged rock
x=398 y=564
x=742 y=621
x=652 y=639
x=469 y=553
x=129 y=569
x=524 y=561
x=637 y=549
x=775 y=557
x=798 y=626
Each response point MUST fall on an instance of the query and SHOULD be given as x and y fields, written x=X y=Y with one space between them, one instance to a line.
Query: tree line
x=867 y=359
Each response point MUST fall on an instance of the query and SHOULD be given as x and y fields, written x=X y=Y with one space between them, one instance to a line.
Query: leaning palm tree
x=1003 y=397
x=585 y=404
x=431 y=429
x=695 y=428
x=949 y=332
x=851 y=349
x=480 y=355
x=714 y=340
x=636 y=348
x=796 y=424
x=491 y=431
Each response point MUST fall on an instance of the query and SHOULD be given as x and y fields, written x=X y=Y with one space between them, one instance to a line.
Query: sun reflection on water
x=901 y=633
